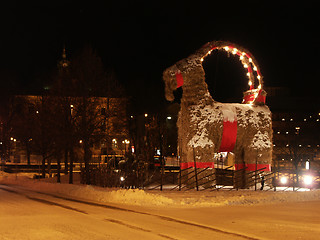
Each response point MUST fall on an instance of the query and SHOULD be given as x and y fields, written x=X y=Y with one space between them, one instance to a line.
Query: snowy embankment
x=156 y=198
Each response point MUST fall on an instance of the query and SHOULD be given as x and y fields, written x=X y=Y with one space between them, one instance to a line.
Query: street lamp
x=125 y=142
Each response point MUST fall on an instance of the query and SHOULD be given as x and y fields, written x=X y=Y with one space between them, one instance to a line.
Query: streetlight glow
x=307 y=180
x=283 y=180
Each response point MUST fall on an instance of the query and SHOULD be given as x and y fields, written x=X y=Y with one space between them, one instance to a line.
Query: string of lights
x=254 y=94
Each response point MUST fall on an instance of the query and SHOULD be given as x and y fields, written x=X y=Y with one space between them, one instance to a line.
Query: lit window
x=114 y=143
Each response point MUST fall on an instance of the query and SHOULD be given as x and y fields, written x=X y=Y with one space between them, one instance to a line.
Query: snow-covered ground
x=166 y=198
x=42 y=209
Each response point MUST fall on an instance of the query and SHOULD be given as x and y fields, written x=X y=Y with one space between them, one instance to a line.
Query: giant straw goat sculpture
x=206 y=127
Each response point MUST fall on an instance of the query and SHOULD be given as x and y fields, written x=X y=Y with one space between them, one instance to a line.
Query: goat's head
x=170 y=81
x=182 y=74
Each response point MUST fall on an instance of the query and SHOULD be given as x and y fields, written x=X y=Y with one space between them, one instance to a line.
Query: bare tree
x=89 y=76
x=23 y=123
x=7 y=90
x=84 y=107
x=43 y=137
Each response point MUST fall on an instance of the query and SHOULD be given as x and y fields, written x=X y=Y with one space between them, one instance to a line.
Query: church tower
x=63 y=63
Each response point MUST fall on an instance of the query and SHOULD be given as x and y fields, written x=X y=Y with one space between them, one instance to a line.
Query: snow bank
x=153 y=198
x=88 y=192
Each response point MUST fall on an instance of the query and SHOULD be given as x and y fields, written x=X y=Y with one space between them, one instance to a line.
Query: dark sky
x=139 y=39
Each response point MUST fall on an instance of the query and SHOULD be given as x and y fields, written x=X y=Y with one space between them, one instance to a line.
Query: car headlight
x=283 y=180
x=307 y=180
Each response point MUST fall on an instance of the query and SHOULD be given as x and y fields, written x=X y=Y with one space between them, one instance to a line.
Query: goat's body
x=201 y=127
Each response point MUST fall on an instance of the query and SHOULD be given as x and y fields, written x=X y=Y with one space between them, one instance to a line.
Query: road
x=26 y=214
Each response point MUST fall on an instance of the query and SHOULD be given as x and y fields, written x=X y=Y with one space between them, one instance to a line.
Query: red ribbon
x=250 y=98
x=252 y=167
x=238 y=166
x=179 y=79
x=261 y=99
x=229 y=136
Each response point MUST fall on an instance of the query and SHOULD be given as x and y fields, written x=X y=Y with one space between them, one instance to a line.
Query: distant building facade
x=296 y=126
x=107 y=115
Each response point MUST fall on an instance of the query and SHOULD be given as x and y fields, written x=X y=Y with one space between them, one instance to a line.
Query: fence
x=177 y=179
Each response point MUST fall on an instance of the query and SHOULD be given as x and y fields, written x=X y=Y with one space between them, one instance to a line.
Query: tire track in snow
x=43 y=200
x=164 y=218
x=56 y=204
x=138 y=228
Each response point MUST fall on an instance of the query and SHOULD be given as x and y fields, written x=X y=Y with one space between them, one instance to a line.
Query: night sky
x=139 y=39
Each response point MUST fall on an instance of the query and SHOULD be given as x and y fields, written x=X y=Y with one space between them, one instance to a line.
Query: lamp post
x=125 y=142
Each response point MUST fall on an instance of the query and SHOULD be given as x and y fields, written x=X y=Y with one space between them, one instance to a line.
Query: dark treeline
x=65 y=120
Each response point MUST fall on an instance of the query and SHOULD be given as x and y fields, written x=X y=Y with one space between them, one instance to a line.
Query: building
x=296 y=126
x=296 y=142
x=40 y=124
